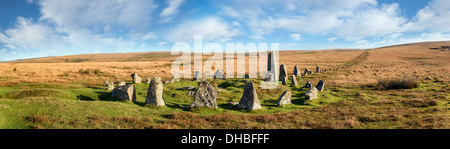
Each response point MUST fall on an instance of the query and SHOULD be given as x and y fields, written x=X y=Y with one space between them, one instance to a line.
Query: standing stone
x=136 y=78
x=205 y=96
x=294 y=80
x=311 y=93
x=147 y=80
x=121 y=83
x=297 y=72
x=269 y=77
x=284 y=80
x=155 y=92
x=219 y=75
x=110 y=86
x=320 y=86
x=310 y=72
x=306 y=71
x=285 y=98
x=317 y=69
x=125 y=92
x=106 y=83
x=175 y=78
x=272 y=65
x=197 y=76
x=283 y=72
x=249 y=99
x=308 y=84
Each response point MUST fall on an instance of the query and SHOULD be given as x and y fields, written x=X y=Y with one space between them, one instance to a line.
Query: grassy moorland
x=51 y=93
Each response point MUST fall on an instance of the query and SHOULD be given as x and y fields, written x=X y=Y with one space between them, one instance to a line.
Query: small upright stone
x=320 y=86
x=125 y=92
x=249 y=99
x=294 y=80
x=219 y=75
x=175 y=78
x=297 y=72
x=205 y=96
x=317 y=69
x=269 y=77
x=197 y=76
x=306 y=71
x=285 y=98
x=121 y=83
x=147 y=80
x=136 y=78
x=110 y=86
x=283 y=72
x=106 y=83
x=308 y=84
x=311 y=93
x=155 y=92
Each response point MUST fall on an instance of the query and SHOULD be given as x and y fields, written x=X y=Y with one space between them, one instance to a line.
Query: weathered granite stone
x=249 y=98
x=285 y=98
x=110 y=86
x=297 y=71
x=106 y=83
x=205 y=96
x=121 y=83
x=284 y=80
x=308 y=84
x=136 y=78
x=294 y=80
x=125 y=92
x=197 y=76
x=320 y=86
x=219 y=75
x=306 y=71
x=175 y=78
x=311 y=93
x=155 y=92
x=317 y=69
x=147 y=80
x=269 y=77
x=283 y=72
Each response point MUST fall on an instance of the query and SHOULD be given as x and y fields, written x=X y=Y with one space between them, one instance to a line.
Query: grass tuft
x=403 y=83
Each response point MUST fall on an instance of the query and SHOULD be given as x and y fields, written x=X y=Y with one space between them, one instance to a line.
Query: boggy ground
x=54 y=93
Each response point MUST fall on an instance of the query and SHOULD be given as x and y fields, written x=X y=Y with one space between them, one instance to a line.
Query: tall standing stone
x=317 y=69
x=249 y=99
x=297 y=72
x=320 y=86
x=294 y=80
x=311 y=93
x=285 y=98
x=125 y=92
x=205 y=96
x=136 y=78
x=283 y=72
x=272 y=65
x=155 y=93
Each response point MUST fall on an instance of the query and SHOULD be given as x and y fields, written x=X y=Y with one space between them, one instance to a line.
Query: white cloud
x=98 y=13
x=211 y=29
x=332 y=39
x=349 y=19
x=173 y=9
x=434 y=18
x=295 y=37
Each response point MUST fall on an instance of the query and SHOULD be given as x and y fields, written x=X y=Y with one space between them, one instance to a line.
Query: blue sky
x=40 y=28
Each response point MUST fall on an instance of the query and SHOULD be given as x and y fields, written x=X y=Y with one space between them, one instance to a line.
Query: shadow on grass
x=85 y=98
